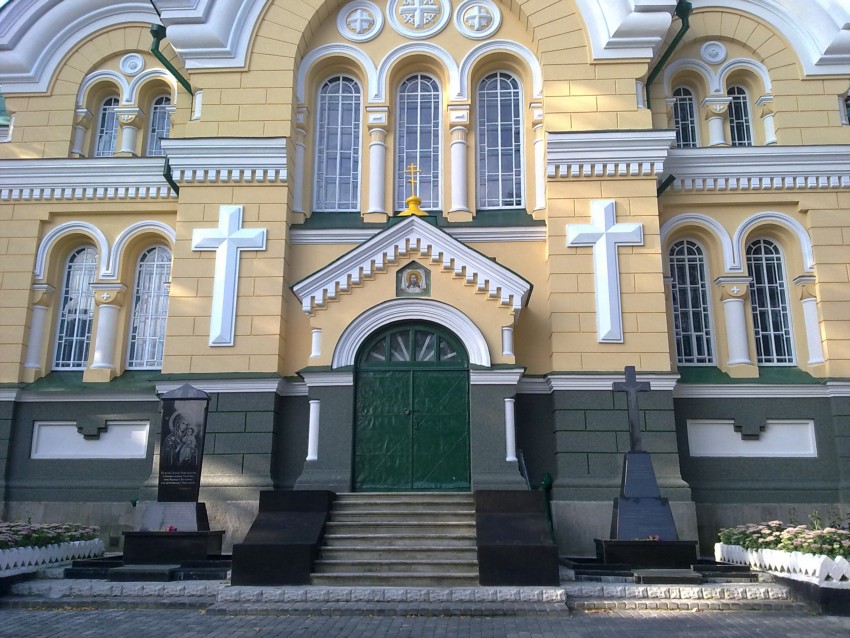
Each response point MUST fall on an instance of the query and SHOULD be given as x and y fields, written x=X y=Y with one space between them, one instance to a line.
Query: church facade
x=222 y=201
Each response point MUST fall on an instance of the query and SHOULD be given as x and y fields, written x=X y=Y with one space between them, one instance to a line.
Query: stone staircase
x=399 y=539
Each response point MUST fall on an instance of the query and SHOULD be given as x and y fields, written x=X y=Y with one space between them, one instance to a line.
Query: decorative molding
x=82 y=180
x=127 y=90
x=411 y=310
x=621 y=29
x=589 y=382
x=769 y=217
x=760 y=168
x=113 y=265
x=232 y=160
x=477 y=19
x=485 y=48
x=418 y=19
x=75 y=227
x=132 y=64
x=608 y=154
x=327 y=379
x=353 y=21
x=9 y=395
x=227 y=386
x=713 y=52
x=66 y=440
x=468 y=235
x=291 y=388
x=509 y=376
x=25 y=396
x=779 y=438
x=715 y=80
x=408 y=238
x=382 y=71
x=761 y=391
x=697 y=219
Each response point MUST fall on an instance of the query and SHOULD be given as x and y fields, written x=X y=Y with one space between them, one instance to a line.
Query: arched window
x=499 y=134
x=338 y=146
x=160 y=125
x=691 y=316
x=73 y=334
x=769 y=302
x=150 y=309
x=684 y=118
x=740 y=128
x=418 y=140
x=107 y=128
x=845 y=103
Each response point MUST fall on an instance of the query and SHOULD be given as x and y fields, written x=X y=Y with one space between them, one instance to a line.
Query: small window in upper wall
x=107 y=128
x=338 y=146
x=73 y=334
x=160 y=125
x=740 y=127
x=150 y=309
x=684 y=118
x=499 y=134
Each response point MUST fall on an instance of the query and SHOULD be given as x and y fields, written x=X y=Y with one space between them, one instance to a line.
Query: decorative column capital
x=536 y=109
x=302 y=116
x=377 y=117
x=109 y=294
x=733 y=287
x=715 y=106
x=42 y=295
x=129 y=116
x=459 y=115
x=765 y=105
x=806 y=284
x=82 y=118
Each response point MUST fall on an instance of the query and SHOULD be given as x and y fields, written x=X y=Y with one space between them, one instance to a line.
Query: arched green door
x=411 y=428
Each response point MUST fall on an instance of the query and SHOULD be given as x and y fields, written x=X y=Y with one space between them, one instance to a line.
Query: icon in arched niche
x=414 y=280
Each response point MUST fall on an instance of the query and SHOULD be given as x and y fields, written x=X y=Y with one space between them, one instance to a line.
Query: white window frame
x=150 y=306
x=844 y=108
x=678 y=124
x=784 y=308
x=106 y=138
x=481 y=148
x=159 y=126
x=743 y=100
x=705 y=309
x=78 y=289
x=321 y=201
x=403 y=159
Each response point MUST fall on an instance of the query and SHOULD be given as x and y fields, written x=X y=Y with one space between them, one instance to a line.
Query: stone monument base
x=646 y=554
x=164 y=548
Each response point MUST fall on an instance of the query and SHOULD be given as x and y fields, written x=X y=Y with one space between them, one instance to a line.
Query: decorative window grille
x=338 y=146
x=418 y=140
x=769 y=302
x=684 y=118
x=691 y=316
x=499 y=142
x=150 y=309
x=160 y=125
x=107 y=128
x=73 y=334
x=740 y=128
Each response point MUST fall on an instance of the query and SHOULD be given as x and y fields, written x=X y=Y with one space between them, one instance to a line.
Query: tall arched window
x=499 y=134
x=418 y=140
x=338 y=146
x=73 y=334
x=107 y=128
x=684 y=118
x=150 y=309
x=769 y=302
x=740 y=127
x=160 y=125
x=691 y=316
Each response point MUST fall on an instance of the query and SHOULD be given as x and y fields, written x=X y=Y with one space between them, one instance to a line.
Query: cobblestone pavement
x=191 y=623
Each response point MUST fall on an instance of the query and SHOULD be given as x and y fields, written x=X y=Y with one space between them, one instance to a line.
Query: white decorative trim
x=62 y=440
x=52 y=236
x=468 y=235
x=83 y=397
x=485 y=48
x=713 y=52
x=420 y=30
x=413 y=48
x=761 y=390
x=481 y=33
x=230 y=160
x=132 y=64
x=342 y=21
x=342 y=49
x=608 y=154
x=820 y=570
x=698 y=219
x=327 y=379
x=113 y=265
x=127 y=90
x=291 y=388
x=781 y=438
x=23 y=560
x=760 y=168
x=605 y=236
x=716 y=79
x=413 y=236
x=83 y=180
x=769 y=217
x=411 y=310
x=588 y=382
x=228 y=386
x=228 y=240
x=621 y=29
x=509 y=376
x=9 y=395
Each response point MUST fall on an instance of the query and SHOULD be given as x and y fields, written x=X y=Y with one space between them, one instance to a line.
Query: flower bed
x=25 y=546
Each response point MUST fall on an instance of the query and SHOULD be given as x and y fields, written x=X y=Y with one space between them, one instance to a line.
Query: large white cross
x=418 y=12
x=228 y=241
x=604 y=234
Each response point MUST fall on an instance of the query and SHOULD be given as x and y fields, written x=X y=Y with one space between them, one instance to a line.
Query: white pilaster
x=316 y=343
x=377 y=170
x=539 y=156
x=108 y=298
x=507 y=340
x=734 y=312
x=765 y=106
x=300 y=155
x=459 y=150
x=510 y=430
x=313 y=432
x=38 y=324
x=129 y=121
x=810 y=317
x=82 y=122
x=716 y=109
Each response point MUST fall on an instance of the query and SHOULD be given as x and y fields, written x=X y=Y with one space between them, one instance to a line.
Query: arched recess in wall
x=68 y=228
x=113 y=263
x=768 y=217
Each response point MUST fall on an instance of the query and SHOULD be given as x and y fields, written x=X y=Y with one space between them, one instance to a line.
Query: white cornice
x=608 y=154
x=8 y=395
x=230 y=160
x=83 y=397
x=467 y=235
x=83 y=179
x=620 y=29
x=762 y=391
x=328 y=379
x=760 y=168
x=410 y=237
x=224 y=386
x=510 y=376
x=588 y=382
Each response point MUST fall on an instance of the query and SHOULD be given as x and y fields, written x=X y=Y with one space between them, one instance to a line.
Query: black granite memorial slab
x=647 y=554
x=640 y=513
x=152 y=548
x=514 y=544
x=182 y=434
x=283 y=542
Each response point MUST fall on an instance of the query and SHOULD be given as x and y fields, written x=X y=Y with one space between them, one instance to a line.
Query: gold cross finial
x=414 y=200
x=412 y=171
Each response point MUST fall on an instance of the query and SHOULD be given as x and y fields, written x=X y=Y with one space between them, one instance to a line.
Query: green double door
x=412 y=412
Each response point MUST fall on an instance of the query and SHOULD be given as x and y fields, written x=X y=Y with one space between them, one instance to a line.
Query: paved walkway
x=192 y=623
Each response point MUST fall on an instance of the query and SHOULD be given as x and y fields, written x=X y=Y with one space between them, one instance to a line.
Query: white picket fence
x=817 y=568
x=19 y=559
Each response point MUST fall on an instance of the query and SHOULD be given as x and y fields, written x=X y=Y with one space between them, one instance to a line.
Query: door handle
x=407 y=412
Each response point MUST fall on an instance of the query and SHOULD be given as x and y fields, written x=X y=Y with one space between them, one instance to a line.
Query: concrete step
x=399 y=527
x=395 y=579
x=404 y=506
x=401 y=541
x=434 y=515
x=365 y=566
x=404 y=497
x=383 y=553
x=664 y=604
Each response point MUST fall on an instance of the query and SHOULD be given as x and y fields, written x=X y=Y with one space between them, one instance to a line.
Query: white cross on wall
x=228 y=241
x=478 y=18
x=418 y=12
x=605 y=235
x=360 y=21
